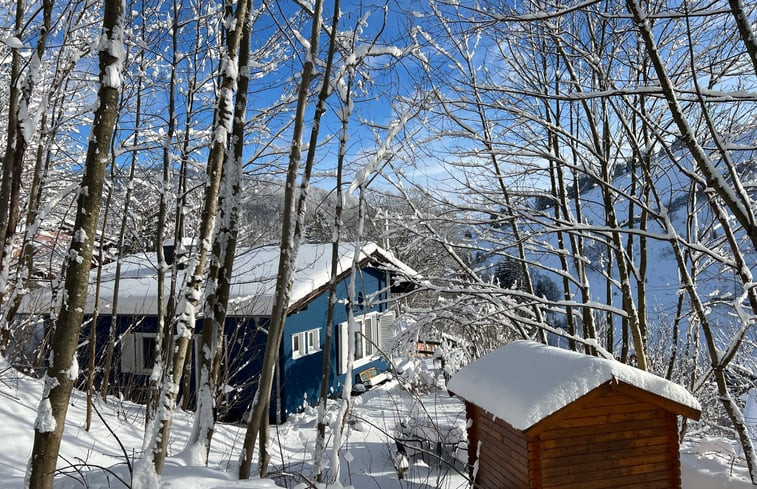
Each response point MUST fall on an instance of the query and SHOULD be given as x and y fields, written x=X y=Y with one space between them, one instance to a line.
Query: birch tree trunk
x=63 y=369
x=222 y=264
x=291 y=236
x=344 y=407
x=151 y=465
x=320 y=441
x=160 y=353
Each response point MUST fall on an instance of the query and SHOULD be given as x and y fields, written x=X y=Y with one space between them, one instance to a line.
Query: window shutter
x=128 y=354
x=386 y=332
x=368 y=330
x=343 y=347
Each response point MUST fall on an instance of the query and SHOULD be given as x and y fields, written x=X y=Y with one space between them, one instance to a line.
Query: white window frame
x=307 y=343
x=133 y=354
x=366 y=335
x=298 y=345
x=368 y=342
x=313 y=340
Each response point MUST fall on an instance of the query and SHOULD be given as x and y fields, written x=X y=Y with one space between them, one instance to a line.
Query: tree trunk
x=11 y=143
x=745 y=30
x=160 y=353
x=221 y=266
x=151 y=466
x=734 y=196
x=291 y=235
x=96 y=312
x=344 y=408
x=320 y=441
x=63 y=369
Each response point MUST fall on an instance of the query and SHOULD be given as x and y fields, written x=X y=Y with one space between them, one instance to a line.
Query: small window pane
x=297 y=345
x=314 y=341
x=359 y=343
x=148 y=352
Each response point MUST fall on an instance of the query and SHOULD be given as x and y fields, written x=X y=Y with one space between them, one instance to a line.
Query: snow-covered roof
x=253 y=278
x=525 y=382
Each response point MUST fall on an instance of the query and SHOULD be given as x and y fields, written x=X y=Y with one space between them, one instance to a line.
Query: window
x=314 y=340
x=365 y=336
x=138 y=353
x=306 y=343
x=298 y=349
x=148 y=351
x=372 y=336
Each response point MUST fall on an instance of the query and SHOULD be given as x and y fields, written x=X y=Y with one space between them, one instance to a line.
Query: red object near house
x=543 y=417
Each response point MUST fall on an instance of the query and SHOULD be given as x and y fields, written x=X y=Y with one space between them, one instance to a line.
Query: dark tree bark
x=291 y=236
x=11 y=143
x=63 y=369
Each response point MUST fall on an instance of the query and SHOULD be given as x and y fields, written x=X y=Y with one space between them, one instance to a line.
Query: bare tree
x=11 y=145
x=151 y=466
x=295 y=205
x=221 y=264
x=63 y=369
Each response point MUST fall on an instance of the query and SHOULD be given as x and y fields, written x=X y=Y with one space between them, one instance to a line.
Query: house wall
x=497 y=452
x=301 y=381
x=616 y=441
x=245 y=346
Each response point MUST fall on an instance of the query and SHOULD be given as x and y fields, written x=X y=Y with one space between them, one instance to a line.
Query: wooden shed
x=543 y=417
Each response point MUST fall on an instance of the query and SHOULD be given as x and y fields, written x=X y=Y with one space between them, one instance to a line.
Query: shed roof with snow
x=524 y=382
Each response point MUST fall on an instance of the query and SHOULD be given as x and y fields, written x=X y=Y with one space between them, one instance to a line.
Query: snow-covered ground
x=368 y=456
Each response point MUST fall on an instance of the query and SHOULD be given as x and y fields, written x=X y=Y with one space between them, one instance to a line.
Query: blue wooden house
x=380 y=275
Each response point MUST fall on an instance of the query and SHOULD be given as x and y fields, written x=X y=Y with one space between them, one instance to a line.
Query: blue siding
x=245 y=346
x=302 y=376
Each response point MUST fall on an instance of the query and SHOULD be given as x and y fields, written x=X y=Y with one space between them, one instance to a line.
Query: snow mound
x=524 y=382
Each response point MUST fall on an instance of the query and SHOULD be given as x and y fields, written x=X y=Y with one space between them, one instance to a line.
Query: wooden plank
x=610 y=398
x=504 y=431
x=602 y=408
x=494 y=471
x=588 y=399
x=631 y=474
x=534 y=449
x=472 y=413
x=646 y=480
x=492 y=455
x=580 y=464
x=639 y=431
x=505 y=479
x=666 y=404
x=610 y=418
x=591 y=446
x=578 y=457
x=613 y=431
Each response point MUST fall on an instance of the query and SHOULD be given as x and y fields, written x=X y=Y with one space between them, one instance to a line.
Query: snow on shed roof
x=253 y=278
x=525 y=382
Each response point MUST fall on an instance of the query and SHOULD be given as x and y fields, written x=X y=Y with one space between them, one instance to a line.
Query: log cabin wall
x=616 y=441
x=502 y=451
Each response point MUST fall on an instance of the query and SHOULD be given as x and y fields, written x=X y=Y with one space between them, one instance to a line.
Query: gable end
x=613 y=386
